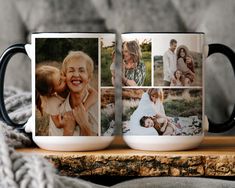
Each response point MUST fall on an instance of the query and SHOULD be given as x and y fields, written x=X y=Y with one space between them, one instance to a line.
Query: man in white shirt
x=169 y=63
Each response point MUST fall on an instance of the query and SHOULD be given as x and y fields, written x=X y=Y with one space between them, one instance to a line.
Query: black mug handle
x=4 y=60
x=229 y=53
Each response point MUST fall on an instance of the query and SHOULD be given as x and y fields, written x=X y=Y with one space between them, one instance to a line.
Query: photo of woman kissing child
x=67 y=97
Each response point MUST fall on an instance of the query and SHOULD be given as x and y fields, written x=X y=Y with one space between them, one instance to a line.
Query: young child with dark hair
x=162 y=125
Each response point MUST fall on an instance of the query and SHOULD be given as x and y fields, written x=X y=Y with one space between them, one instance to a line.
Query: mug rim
x=67 y=32
x=159 y=32
x=128 y=32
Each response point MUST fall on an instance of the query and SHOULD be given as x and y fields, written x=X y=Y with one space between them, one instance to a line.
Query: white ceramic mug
x=163 y=90
x=68 y=87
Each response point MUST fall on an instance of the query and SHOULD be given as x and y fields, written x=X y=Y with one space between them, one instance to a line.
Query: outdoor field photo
x=107 y=111
x=107 y=61
x=137 y=58
x=158 y=69
x=182 y=107
x=177 y=60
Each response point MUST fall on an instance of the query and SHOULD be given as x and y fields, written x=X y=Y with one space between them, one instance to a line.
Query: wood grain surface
x=214 y=157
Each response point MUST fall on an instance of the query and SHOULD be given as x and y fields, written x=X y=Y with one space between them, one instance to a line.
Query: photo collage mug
x=73 y=90
x=163 y=90
x=67 y=90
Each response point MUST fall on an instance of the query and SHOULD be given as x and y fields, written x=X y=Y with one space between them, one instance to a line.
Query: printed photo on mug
x=136 y=65
x=177 y=60
x=107 y=111
x=67 y=86
x=108 y=59
x=107 y=108
x=66 y=90
x=162 y=112
x=170 y=113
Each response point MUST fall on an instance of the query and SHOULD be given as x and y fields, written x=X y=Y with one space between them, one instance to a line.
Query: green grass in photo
x=158 y=75
x=184 y=108
x=106 y=60
x=146 y=57
x=177 y=103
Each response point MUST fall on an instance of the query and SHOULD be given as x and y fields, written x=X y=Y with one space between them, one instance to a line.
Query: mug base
x=81 y=143
x=163 y=143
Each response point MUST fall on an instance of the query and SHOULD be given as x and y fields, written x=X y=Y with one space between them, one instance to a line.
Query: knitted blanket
x=17 y=169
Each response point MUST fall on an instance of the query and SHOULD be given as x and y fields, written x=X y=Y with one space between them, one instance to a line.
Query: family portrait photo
x=66 y=80
x=177 y=61
x=163 y=112
x=136 y=62
x=108 y=61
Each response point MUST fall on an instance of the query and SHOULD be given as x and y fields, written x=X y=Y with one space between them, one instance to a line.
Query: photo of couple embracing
x=66 y=93
x=180 y=65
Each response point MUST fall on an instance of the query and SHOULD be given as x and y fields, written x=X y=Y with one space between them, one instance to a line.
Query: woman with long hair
x=182 y=55
x=133 y=67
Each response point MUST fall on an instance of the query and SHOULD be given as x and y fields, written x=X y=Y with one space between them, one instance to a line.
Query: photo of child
x=162 y=125
x=177 y=79
x=162 y=112
x=185 y=65
x=66 y=91
x=174 y=53
x=51 y=91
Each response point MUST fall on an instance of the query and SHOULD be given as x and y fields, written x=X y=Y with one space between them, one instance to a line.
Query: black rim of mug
x=4 y=60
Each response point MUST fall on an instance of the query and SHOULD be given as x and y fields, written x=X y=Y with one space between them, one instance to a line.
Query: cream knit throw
x=25 y=170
